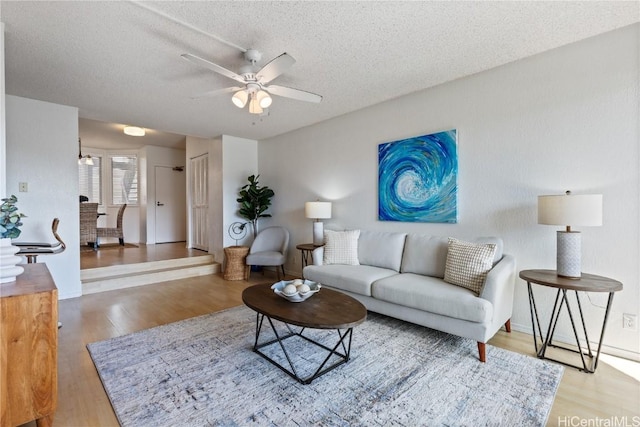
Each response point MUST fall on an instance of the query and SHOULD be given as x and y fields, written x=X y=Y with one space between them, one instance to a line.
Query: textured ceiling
x=118 y=62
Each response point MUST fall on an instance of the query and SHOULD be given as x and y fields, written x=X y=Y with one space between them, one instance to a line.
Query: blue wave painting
x=418 y=179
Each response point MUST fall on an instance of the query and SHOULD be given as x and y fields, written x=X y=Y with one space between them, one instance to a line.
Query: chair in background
x=269 y=249
x=88 y=223
x=31 y=250
x=113 y=232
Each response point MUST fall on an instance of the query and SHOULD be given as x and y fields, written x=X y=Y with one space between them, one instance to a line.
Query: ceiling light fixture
x=134 y=131
x=83 y=160
x=258 y=99
x=240 y=98
x=254 y=105
x=264 y=99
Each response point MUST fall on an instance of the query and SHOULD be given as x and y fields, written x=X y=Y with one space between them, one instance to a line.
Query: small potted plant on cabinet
x=9 y=229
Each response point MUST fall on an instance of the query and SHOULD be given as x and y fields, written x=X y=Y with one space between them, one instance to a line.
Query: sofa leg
x=247 y=272
x=507 y=325
x=482 y=352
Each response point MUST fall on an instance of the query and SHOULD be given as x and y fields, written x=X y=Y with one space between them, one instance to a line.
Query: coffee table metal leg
x=280 y=339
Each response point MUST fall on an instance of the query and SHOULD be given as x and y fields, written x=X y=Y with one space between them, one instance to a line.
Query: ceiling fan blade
x=274 y=68
x=214 y=67
x=216 y=92
x=298 y=94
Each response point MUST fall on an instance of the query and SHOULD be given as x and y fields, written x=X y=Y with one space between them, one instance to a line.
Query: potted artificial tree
x=254 y=201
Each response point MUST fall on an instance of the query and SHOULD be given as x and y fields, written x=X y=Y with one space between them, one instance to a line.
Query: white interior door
x=171 y=205
x=200 y=202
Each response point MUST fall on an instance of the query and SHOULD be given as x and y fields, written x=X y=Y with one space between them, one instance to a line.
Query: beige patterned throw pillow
x=341 y=247
x=468 y=264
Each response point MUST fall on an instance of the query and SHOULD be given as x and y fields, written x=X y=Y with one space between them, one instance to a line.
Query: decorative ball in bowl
x=296 y=290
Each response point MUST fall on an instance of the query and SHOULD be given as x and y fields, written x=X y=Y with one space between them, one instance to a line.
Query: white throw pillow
x=341 y=247
x=468 y=264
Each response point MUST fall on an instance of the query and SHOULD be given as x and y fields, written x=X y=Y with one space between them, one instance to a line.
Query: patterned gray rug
x=201 y=371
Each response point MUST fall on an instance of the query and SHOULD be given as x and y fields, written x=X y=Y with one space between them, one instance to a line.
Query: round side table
x=305 y=250
x=586 y=283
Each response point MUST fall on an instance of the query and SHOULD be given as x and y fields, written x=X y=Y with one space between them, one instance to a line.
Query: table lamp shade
x=317 y=210
x=568 y=210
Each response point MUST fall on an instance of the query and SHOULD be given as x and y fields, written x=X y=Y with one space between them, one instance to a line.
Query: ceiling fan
x=255 y=87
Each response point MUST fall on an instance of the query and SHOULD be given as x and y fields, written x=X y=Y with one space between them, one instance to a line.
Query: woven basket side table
x=235 y=262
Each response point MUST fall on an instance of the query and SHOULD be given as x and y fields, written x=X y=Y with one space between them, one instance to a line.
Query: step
x=113 y=278
x=124 y=269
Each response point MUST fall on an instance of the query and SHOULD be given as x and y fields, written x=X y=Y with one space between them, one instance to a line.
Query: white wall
x=239 y=161
x=42 y=150
x=3 y=144
x=567 y=119
x=149 y=158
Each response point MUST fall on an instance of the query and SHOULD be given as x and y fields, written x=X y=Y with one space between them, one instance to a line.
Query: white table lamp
x=317 y=210
x=569 y=210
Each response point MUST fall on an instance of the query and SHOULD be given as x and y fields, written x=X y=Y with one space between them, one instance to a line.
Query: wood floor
x=109 y=255
x=82 y=401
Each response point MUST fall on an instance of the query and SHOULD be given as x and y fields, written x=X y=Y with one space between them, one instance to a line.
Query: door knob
x=159 y=204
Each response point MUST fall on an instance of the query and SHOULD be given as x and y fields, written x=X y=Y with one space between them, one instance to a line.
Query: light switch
x=23 y=187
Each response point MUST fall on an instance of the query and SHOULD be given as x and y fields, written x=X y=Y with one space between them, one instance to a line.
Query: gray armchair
x=269 y=249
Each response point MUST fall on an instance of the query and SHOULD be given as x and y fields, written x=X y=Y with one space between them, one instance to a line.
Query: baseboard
x=606 y=349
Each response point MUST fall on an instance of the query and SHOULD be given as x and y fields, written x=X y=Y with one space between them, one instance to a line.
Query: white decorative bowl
x=298 y=296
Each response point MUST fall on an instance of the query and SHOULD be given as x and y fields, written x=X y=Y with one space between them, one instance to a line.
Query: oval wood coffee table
x=327 y=309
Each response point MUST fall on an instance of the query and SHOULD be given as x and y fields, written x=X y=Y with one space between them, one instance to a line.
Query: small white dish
x=298 y=296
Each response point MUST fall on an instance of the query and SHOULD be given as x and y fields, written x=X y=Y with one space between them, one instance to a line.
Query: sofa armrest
x=318 y=255
x=499 y=287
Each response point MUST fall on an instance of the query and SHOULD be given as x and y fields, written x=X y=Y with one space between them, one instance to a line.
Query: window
x=91 y=180
x=124 y=179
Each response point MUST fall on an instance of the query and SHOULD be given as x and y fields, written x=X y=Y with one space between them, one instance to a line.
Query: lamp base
x=568 y=254
x=318 y=233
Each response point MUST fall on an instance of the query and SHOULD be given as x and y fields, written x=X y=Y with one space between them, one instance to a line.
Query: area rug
x=202 y=371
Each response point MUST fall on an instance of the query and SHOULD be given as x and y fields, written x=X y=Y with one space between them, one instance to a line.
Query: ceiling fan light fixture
x=134 y=131
x=254 y=106
x=263 y=99
x=240 y=98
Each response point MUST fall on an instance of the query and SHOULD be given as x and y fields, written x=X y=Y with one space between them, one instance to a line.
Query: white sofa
x=402 y=275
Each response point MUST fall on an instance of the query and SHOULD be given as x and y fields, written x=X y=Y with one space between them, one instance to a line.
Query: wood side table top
x=307 y=246
x=327 y=309
x=586 y=283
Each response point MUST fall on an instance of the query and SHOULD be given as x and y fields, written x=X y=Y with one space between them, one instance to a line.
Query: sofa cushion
x=352 y=278
x=468 y=264
x=341 y=247
x=432 y=295
x=426 y=255
x=381 y=249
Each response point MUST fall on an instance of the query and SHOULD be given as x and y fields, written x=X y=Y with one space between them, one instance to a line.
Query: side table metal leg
x=575 y=333
x=584 y=326
x=604 y=325
x=534 y=312
x=552 y=321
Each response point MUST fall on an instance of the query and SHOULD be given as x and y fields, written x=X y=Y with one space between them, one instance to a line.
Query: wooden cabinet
x=29 y=348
